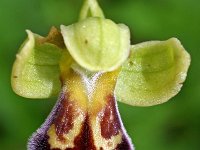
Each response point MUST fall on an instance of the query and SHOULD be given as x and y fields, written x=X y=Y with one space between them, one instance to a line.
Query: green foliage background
x=174 y=125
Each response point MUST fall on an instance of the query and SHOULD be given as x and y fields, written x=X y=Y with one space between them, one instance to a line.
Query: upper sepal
x=36 y=71
x=153 y=73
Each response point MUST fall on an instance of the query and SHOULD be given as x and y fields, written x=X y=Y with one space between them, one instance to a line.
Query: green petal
x=153 y=74
x=97 y=44
x=36 y=69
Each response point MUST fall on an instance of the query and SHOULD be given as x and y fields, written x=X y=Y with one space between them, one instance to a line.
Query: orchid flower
x=91 y=65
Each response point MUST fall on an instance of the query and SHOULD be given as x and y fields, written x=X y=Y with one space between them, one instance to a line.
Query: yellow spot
x=54 y=141
x=104 y=87
x=99 y=141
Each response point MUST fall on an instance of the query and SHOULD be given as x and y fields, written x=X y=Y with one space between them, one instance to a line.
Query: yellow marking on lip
x=74 y=86
x=104 y=87
x=99 y=141
x=54 y=141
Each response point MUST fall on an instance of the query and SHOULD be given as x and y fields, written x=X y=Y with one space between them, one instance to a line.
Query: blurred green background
x=174 y=125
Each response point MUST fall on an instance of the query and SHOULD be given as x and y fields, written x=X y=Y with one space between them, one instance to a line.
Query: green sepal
x=97 y=44
x=154 y=72
x=36 y=71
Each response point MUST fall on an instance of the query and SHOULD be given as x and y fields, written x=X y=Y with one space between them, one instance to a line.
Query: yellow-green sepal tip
x=90 y=8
